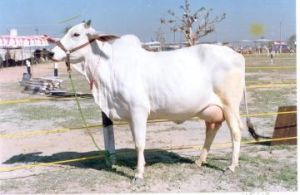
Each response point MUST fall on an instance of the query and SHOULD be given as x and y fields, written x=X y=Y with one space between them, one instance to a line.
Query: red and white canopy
x=8 y=41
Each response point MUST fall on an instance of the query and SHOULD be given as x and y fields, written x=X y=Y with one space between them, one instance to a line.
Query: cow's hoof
x=137 y=181
x=199 y=162
x=230 y=170
x=227 y=172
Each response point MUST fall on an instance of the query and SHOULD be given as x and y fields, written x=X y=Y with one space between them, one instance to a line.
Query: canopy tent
x=10 y=42
x=18 y=48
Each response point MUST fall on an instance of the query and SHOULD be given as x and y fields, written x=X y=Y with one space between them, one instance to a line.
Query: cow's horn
x=87 y=24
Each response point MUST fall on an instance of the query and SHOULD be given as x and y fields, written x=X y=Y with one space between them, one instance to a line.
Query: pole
x=55 y=69
x=280 y=31
x=109 y=140
x=280 y=46
x=28 y=65
x=174 y=36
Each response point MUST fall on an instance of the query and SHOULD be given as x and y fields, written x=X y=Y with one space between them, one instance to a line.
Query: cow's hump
x=128 y=41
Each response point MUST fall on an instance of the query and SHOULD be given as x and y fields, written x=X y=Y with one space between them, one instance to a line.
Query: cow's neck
x=98 y=72
x=98 y=62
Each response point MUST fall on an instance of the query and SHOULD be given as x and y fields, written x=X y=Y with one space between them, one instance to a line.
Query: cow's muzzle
x=50 y=55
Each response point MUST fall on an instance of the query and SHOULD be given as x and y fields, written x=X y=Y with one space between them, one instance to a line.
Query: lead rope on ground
x=81 y=113
x=109 y=158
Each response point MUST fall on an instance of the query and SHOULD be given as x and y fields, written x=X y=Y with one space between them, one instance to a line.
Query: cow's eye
x=76 y=34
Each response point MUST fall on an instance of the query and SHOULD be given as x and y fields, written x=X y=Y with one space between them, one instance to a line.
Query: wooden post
x=28 y=65
x=109 y=140
x=55 y=69
x=286 y=126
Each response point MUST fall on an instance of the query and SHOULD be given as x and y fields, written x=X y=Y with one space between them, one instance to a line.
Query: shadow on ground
x=125 y=157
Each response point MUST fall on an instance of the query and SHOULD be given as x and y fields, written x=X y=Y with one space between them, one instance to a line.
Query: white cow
x=135 y=85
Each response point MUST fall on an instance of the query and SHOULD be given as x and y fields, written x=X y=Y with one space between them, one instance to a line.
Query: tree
x=292 y=42
x=194 y=25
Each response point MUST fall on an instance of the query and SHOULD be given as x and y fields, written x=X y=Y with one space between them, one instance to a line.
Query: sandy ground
x=263 y=168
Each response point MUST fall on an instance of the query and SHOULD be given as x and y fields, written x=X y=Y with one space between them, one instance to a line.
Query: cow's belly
x=183 y=107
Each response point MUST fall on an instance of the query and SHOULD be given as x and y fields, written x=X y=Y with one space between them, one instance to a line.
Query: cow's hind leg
x=230 y=91
x=213 y=116
x=138 y=125
x=234 y=124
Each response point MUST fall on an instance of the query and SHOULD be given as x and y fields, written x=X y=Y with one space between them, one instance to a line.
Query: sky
x=142 y=17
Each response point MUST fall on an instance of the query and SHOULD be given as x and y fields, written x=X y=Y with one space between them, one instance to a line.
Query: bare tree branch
x=194 y=25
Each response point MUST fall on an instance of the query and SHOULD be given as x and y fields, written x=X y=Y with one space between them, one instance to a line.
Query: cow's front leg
x=211 y=130
x=138 y=125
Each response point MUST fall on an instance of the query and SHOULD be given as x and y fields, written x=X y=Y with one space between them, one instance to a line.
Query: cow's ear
x=87 y=24
x=102 y=37
x=106 y=38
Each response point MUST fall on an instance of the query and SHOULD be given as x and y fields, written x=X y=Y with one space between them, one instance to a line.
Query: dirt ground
x=23 y=141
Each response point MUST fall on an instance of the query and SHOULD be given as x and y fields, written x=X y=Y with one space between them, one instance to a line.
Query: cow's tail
x=250 y=126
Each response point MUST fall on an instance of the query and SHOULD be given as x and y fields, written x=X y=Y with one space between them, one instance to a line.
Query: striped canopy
x=8 y=41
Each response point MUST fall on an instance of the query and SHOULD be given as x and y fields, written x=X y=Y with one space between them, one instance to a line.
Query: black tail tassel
x=252 y=131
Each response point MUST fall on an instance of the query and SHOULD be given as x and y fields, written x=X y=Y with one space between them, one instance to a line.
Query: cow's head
x=78 y=41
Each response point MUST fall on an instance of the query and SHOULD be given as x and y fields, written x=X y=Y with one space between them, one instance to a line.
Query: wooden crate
x=285 y=126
